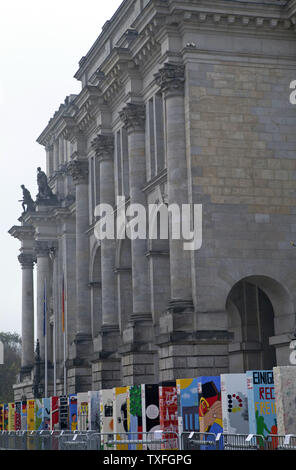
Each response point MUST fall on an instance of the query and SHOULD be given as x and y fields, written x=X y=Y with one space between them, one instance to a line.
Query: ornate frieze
x=171 y=79
x=226 y=18
x=133 y=117
x=103 y=145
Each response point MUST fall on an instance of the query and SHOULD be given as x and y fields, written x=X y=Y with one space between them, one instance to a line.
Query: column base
x=192 y=354
x=139 y=367
x=26 y=372
x=180 y=306
x=80 y=350
x=106 y=372
x=139 y=331
x=79 y=379
x=107 y=342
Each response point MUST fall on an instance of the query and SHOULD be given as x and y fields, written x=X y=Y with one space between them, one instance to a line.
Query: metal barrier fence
x=242 y=441
x=158 y=440
x=199 y=441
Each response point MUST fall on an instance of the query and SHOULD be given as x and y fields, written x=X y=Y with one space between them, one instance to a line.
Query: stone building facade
x=181 y=102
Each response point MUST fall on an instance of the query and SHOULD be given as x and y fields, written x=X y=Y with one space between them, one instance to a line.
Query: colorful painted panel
x=11 y=413
x=18 y=416
x=1 y=417
x=5 y=419
x=73 y=412
x=150 y=408
x=94 y=411
x=106 y=411
x=285 y=396
x=54 y=413
x=24 y=416
x=82 y=411
x=46 y=413
x=168 y=414
x=210 y=406
x=63 y=412
x=120 y=414
x=134 y=415
x=234 y=403
x=188 y=419
x=262 y=405
x=38 y=414
x=31 y=415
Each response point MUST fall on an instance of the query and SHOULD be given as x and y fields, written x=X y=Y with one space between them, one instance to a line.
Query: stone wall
x=241 y=141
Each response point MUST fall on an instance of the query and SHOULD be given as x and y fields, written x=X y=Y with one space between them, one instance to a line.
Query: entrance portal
x=251 y=319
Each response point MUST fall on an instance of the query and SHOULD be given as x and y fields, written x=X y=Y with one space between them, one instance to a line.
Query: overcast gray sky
x=41 y=42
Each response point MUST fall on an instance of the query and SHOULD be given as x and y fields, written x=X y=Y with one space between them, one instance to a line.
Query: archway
x=253 y=305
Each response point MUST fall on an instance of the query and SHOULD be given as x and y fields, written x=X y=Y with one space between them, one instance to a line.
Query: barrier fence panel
x=242 y=442
x=275 y=442
x=154 y=441
x=157 y=440
x=199 y=441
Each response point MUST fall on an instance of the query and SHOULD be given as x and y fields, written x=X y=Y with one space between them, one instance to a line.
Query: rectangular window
x=121 y=164
x=155 y=136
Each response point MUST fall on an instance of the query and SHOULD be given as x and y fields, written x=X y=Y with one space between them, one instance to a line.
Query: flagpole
x=54 y=357
x=45 y=335
x=64 y=300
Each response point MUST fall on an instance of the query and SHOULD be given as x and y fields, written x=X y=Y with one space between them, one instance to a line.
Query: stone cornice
x=87 y=103
x=222 y=13
x=110 y=74
x=23 y=232
x=54 y=128
x=74 y=117
x=104 y=147
x=133 y=117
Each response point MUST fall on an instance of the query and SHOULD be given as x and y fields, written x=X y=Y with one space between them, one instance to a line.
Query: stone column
x=171 y=81
x=56 y=161
x=104 y=147
x=133 y=117
x=27 y=263
x=106 y=364
x=43 y=275
x=138 y=336
x=79 y=171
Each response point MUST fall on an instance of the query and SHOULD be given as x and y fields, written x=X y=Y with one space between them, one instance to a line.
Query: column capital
x=27 y=260
x=79 y=171
x=103 y=145
x=171 y=79
x=133 y=117
x=41 y=249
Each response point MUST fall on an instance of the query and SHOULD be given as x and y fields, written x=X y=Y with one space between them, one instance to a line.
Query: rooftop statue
x=27 y=201
x=45 y=193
